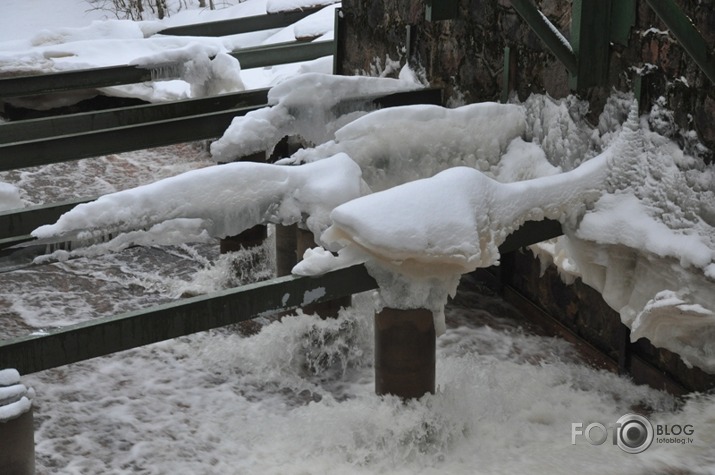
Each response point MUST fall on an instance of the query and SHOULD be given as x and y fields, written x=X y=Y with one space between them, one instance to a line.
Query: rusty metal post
x=330 y=309
x=17 y=437
x=405 y=352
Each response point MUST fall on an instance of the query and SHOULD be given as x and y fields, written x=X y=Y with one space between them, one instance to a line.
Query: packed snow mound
x=303 y=106
x=402 y=144
x=223 y=200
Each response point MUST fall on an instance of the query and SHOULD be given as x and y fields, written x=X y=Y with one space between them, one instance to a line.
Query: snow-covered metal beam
x=34 y=129
x=255 y=57
x=236 y=26
x=118 y=139
x=546 y=31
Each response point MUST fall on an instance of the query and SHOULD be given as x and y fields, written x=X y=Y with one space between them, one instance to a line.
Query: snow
x=300 y=106
x=401 y=144
x=223 y=200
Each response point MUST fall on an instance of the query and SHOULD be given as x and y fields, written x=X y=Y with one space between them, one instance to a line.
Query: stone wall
x=465 y=56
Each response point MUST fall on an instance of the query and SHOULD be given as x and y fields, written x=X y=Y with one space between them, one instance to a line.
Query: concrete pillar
x=405 y=349
x=17 y=437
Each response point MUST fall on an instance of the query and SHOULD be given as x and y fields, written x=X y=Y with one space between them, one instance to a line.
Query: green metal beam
x=67 y=80
x=547 y=32
x=116 y=140
x=255 y=57
x=240 y=25
x=108 y=335
x=686 y=34
x=33 y=129
x=623 y=18
x=103 y=336
x=590 y=35
x=18 y=222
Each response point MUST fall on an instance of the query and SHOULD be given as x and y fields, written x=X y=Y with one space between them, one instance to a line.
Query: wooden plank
x=237 y=26
x=623 y=18
x=33 y=129
x=686 y=34
x=108 y=335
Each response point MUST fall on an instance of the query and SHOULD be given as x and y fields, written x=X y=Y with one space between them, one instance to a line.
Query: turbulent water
x=295 y=395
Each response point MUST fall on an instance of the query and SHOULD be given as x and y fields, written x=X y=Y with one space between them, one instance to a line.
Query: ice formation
x=15 y=398
x=638 y=226
x=222 y=200
x=302 y=106
x=401 y=144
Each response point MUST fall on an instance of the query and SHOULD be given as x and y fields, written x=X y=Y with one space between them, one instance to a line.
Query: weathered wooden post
x=405 y=352
x=17 y=438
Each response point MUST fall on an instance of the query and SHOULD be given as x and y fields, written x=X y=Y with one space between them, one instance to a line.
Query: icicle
x=166 y=72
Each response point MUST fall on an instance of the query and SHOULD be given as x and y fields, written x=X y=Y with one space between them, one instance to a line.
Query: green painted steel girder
x=103 y=336
x=25 y=220
x=547 y=32
x=34 y=129
x=240 y=25
x=256 y=57
x=116 y=140
x=686 y=34
x=590 y=35
x=283 y=53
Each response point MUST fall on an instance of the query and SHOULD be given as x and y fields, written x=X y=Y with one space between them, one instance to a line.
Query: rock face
x=465 y=55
